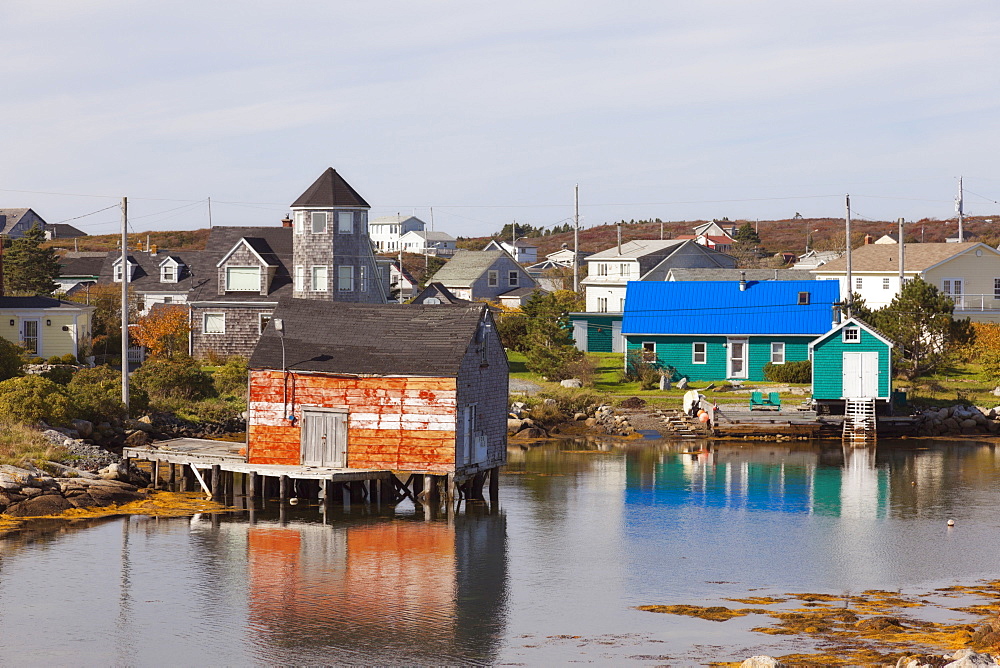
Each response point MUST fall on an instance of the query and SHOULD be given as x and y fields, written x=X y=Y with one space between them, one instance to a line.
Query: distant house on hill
x=386 y=231
x=522 y=250
x=427 y=242
x=15 y=222
x=483 y=275
x=62 y=231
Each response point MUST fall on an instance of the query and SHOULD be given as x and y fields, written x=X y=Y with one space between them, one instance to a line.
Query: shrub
x=178 y=377
x=68 y=358
x=11 y=362
x=513 y=331
x=573 y=400
x=55 y=359
x=36 y=360
x=638 y=368
x=215 y=410
x=31 y=399
x=60 y=374
x=97 y=394
x=789 y=372
x=231 y=377
x=583 y=369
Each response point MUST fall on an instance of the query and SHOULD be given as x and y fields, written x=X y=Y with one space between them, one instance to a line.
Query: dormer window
x=118 y=271
x=242 y=279
x=318 y=222
x=168 y=273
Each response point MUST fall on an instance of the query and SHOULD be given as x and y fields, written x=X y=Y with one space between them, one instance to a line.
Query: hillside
x=165 y=239
x=776 y=235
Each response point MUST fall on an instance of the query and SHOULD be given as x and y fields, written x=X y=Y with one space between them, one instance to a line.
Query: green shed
x=851 y=361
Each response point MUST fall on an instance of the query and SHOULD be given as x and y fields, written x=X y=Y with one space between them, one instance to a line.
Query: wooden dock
x=227 y=473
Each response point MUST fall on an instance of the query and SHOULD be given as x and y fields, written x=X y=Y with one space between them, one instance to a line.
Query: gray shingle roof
x=412 y=340
x=439 y=291
x=82 y=265
x=37 y=303
x=636 y=249
x=466 y=266
x=273 y=243
x=13 y=217
x=330 y=190
x=147 y=273
x=721 y=274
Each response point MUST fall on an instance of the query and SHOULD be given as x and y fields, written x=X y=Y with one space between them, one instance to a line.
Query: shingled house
x=426 y=394
x=487 y=275
x=156 y=277
x=323 y=253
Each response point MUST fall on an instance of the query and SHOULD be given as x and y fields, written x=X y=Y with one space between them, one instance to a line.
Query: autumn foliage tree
x=163 y=331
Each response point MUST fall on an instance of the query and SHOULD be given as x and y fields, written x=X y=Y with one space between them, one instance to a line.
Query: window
x=803 y=299
x=602 y=269
x=345 y=278
x=996 y=288
x=242 y=279
x=318 y=222
x=649 y=351
x=262 y=320
x=852 y=335
x=168 y=273
x=118 y=273
x=602 y=304
x=300 y=222
x=777 y=352
x=362 y=279
x=318 y=276
x=345 y=222
x=699 y=352
x=168 y=300
x=300 y=278
x=621 y=304
x=885 y=283
x=857 y=283
x=512 y=279
x=214 y=323
x=625 y=269
x=493 y=278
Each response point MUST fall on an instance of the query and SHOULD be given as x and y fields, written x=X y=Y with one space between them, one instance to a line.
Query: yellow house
x=967 y=272
x=45 y=326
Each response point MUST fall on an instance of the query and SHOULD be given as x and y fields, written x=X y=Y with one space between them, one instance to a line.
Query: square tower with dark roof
x=332 y=254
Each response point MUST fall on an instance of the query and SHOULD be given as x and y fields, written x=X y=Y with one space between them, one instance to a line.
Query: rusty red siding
x=405 y=424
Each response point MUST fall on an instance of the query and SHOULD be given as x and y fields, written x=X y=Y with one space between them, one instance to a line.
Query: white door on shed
x=860 y=375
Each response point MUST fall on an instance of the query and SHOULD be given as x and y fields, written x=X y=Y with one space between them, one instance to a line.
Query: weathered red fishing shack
x=405 y=388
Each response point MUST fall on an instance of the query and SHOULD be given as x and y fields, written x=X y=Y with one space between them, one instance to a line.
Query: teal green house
x=727 y=330
x=851 y=361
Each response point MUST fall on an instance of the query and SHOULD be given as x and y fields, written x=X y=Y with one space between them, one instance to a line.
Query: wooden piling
x=156 y=474
x=173 y=477
x=478 y=481
x=216 y=485
x=252 y=483
x=283 y=487
x=495 y=485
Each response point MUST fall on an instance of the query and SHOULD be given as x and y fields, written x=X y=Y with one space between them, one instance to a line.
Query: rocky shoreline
x=51 y=488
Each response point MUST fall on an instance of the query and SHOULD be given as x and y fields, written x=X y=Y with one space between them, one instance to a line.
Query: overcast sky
x=489 y=112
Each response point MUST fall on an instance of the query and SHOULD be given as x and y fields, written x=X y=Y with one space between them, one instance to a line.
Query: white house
x=386 y=231
x=428 y=242
x=967 y=272
x=522 y=250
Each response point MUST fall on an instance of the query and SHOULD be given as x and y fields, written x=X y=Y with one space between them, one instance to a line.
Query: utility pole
x=576 y=238
x=902 y=253
x=125 y=278
x=209 y=213
x=960 y=207
x=661 y=230
x=850 y=281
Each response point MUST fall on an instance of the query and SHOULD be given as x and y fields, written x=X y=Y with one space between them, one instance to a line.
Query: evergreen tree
x=747 y=234
x=548 y=340
x=28 y=268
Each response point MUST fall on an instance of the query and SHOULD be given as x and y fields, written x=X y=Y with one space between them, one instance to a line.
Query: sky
x=492 y=112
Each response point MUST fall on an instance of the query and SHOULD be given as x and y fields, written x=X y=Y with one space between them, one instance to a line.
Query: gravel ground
x=524 y=386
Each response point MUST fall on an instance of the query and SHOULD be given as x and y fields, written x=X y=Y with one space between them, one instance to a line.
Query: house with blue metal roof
x=727 y=330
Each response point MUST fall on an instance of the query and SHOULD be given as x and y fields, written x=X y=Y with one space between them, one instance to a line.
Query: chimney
x=286 y=221
x=743 y=281
x=869 y=239
x=153 y=250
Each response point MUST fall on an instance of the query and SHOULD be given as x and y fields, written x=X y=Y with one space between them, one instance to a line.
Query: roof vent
x=743 y=281
x=803 y=299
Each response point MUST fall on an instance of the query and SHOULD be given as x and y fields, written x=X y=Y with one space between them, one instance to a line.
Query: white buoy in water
x=951 y=523
x=294 y=501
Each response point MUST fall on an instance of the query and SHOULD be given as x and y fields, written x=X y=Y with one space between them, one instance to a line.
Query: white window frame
x=312 y=222
x=300 y=278
x=649 y=351
x=493 y=278
x=204 y=323
x=512 y=278
x=345 y=222
x=168 y=267
x=996 y=288
x=319 y=278
x=602 y=268
x=168 y=300
x=696 y=353
x=851 y=335
x=858 y=282
x=299 y=222
x=625 y=269
x=345 y=279
x=262 y=320
x=232 y=289
x=621 y=304
x=885 y=283
x=777 y=352
x=362 y=279
x=602 y=304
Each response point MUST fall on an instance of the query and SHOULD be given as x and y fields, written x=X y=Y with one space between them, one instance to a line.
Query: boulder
x=967 y=658
x=572 y=382
x=664 y=383
x=762 y=661
x=137 y=438
x=967 y=422
x=579 y=416
x=83 y=427
x=48 y=504
x=31 y=491
x=532 y=432
x=682 y=384
x=139 y=425
x=114 y=472
x=591 y=422
x=14 y=477
x=514 y=426
x=550 y=402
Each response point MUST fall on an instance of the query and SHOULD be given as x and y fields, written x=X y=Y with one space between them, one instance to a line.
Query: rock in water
x=762 y=661
x=967 y=658
x=48 y=504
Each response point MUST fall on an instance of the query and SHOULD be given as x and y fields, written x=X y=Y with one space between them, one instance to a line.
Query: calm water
x=551 y=576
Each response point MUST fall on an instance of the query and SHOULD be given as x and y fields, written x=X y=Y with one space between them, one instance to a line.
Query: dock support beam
x=216 y=481
x=495 y=485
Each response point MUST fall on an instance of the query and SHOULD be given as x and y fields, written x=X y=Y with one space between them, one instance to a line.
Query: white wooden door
x=860 y=375
x=579 y=334
x=324 y=438
x=737 y=366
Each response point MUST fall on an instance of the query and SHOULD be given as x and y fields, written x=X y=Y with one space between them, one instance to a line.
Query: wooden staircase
x=681 y=425
x=859 y=423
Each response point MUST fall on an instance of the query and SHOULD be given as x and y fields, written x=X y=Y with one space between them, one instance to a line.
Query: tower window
x=318 y=222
